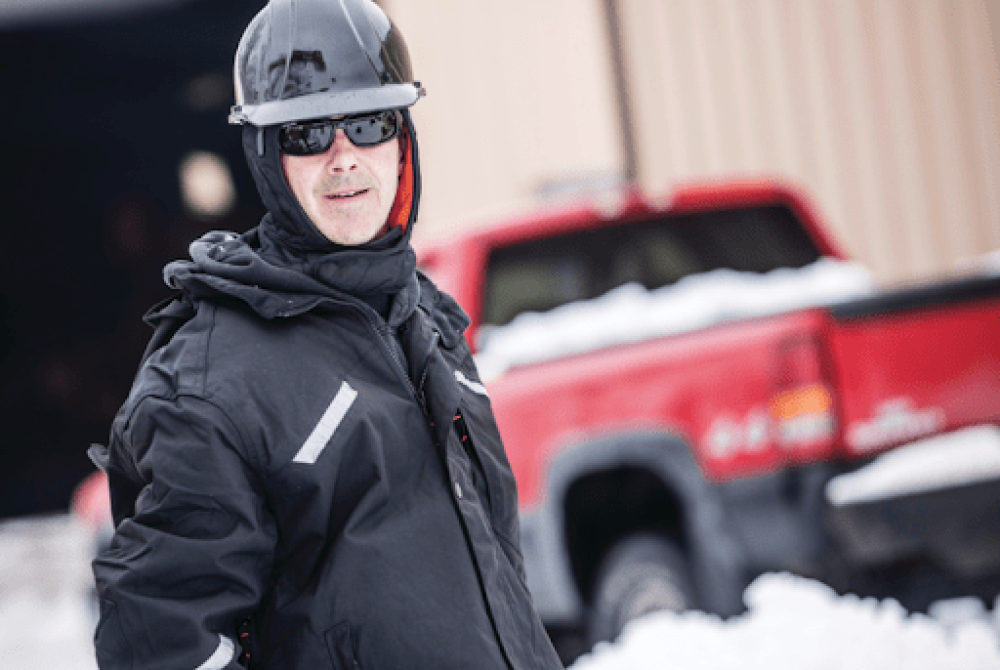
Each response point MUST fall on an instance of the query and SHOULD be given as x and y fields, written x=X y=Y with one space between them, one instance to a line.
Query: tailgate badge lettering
x=897 y=420
x=794 y=420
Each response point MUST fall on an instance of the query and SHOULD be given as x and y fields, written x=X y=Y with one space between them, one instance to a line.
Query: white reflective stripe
x=223 y=654
x=475 y=387
x=321 y=434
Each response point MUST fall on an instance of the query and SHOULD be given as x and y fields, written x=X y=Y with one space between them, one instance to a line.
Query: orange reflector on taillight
x=812 y=399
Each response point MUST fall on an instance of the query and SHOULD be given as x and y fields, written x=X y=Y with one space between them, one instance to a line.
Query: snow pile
x=984 y=265
x=960 y=458
x=46 y=619
x=630 y=313
x=798 y=624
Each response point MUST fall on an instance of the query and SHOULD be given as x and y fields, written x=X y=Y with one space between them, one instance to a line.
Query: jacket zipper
x=381 y=333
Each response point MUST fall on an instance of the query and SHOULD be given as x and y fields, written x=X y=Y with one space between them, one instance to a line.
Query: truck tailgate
x=916 y=362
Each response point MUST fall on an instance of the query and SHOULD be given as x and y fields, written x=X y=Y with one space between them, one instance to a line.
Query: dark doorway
x=99 y=111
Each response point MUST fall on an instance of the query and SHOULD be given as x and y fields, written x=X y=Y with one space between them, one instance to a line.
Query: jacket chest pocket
x=331 y=419
x=311 y=460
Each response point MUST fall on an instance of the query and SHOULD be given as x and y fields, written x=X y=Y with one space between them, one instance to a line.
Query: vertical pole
x=630 y=158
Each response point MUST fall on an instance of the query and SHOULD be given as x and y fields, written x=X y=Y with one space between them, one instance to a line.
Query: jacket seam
x=209 y=331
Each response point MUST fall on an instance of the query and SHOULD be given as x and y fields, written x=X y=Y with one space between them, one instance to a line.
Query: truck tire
x=641 y=573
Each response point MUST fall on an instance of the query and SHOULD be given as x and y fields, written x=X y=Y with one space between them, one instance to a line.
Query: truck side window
x=542 y=274
x=535 y=284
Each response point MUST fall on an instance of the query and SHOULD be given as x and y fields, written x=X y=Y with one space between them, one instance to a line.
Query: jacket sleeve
x=191 y=561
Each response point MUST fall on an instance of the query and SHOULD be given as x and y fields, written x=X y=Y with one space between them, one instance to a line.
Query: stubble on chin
x=335 y=183
x=346 y=225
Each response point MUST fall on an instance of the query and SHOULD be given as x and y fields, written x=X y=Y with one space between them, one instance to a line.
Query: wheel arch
x=604 y=506
x=660 y=462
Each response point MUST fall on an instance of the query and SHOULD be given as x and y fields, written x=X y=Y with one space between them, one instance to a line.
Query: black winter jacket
x=296 y=476
x=278 y=461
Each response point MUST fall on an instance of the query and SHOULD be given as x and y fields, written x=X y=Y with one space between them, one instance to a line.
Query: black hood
x=289 y=239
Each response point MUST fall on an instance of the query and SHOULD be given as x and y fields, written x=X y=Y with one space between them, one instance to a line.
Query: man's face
x=347 y=191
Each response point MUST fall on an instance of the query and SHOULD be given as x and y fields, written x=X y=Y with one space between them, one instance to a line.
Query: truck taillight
x=802 y=407
x=800 y=362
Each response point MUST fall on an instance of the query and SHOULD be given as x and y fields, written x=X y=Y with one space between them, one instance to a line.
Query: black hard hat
x=307 y=59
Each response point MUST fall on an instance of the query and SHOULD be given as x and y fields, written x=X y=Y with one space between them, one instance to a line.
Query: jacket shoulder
x=205 y=351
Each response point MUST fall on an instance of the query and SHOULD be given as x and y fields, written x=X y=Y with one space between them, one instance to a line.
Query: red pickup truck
x=695 y=392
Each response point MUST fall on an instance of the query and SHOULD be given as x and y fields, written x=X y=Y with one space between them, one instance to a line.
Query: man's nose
x=342 y=155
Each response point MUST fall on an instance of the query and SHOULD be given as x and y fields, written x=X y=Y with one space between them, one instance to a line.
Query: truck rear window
x=542 y=274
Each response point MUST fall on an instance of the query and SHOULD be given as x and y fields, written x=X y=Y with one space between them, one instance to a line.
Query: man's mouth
x=343 y=195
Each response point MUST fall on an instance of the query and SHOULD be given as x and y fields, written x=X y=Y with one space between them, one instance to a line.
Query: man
x=307 y=473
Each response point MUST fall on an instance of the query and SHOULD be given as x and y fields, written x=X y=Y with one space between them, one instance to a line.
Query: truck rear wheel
x=642 y=573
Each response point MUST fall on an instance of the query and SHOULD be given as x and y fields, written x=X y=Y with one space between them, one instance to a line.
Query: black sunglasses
x=306 y=138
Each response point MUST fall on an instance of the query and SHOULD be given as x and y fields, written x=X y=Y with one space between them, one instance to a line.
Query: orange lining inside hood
x=399 y=215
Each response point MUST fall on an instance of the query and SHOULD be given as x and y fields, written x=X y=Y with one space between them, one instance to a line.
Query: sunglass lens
x=371 y=130
x=304 y=139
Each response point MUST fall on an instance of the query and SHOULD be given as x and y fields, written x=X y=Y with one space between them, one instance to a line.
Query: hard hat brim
x=334 y=103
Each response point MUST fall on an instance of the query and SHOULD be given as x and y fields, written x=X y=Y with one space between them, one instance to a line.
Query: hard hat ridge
x=302 y=59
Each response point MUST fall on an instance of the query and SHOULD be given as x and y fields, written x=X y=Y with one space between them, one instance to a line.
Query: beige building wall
x=519 y=94
x=885 y=111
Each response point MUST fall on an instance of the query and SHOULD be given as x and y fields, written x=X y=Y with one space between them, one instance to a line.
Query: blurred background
x=117 y=152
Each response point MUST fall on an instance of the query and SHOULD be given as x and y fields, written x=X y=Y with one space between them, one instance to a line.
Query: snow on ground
x=630 y=313
x=963 y=457
x=798 y=624
x=46 y=618
x=46 y=621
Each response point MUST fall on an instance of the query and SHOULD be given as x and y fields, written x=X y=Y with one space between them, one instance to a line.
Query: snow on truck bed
x=967 y=456
x=631 y=313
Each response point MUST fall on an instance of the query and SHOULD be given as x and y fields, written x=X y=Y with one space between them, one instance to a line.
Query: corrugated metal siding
x=886 y=111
